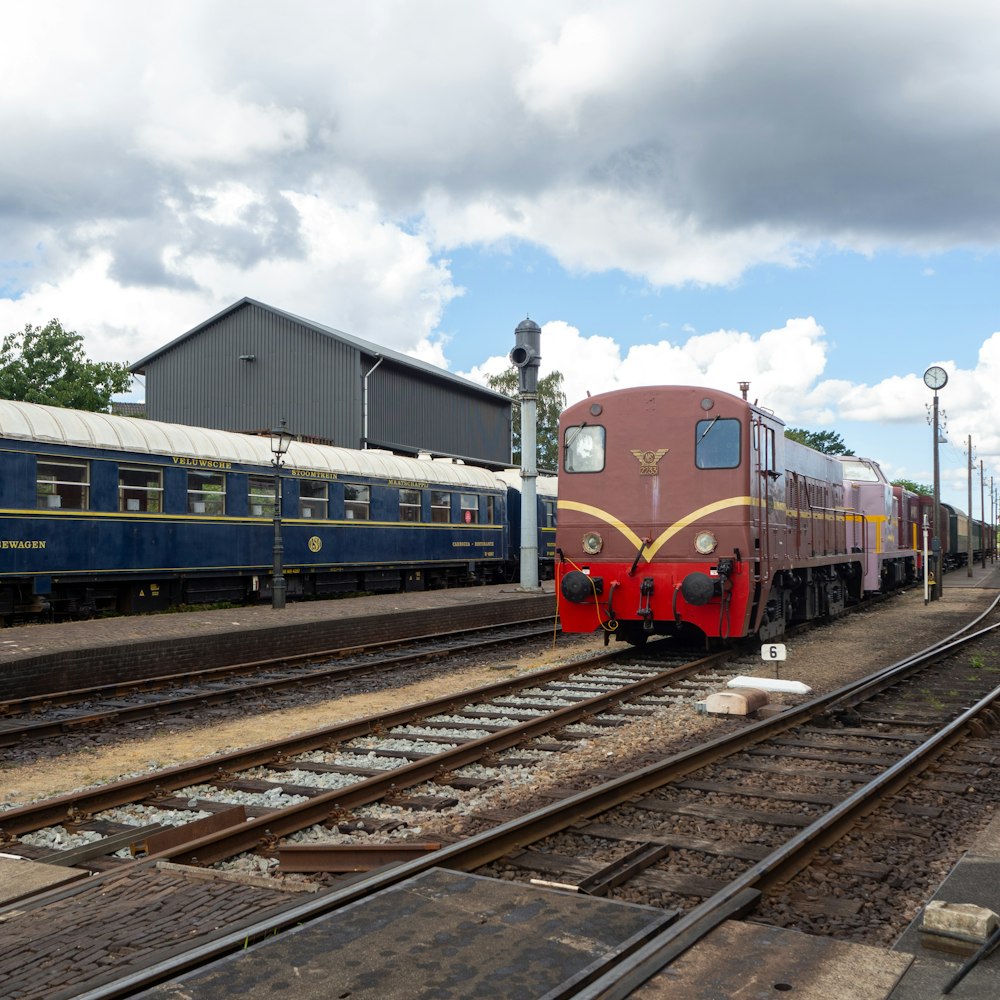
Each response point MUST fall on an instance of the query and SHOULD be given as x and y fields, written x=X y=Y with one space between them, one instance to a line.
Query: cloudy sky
x=805 y=196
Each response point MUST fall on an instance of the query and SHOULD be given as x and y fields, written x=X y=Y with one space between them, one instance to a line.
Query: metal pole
x=969 y=548
x=278 y=578
x=525 y=356
x=926 y=585
x=529 y=505
x=982 y=511
x=938 y=561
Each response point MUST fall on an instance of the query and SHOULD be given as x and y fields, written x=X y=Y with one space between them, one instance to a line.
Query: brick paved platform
x=35 y=659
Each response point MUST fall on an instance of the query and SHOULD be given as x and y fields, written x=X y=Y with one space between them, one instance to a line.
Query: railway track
x=877 y=760
x=64 y=713
x=301 y=780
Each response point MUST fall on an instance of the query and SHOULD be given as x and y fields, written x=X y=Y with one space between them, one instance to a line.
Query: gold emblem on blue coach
x=649 y=461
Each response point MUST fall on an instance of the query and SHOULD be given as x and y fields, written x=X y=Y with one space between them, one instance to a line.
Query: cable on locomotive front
x=611 y=625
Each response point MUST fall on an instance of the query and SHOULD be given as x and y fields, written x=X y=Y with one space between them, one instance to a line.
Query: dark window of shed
x=140 y=488
x=409 y=505
x=261 y=496
x=63 y=485
x=717 y=443
x=206 y=493
x=440 y=507
x=357 y=502
x=470 y=508
x=583 y=449
x=313 y=498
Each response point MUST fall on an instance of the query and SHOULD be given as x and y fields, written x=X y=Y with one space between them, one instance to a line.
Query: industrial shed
x=252 y=365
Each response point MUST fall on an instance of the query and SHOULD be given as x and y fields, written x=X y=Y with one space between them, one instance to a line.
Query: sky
x=802 y=196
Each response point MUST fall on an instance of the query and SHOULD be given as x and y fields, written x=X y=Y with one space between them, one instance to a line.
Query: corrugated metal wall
x=298 y=374
x=407 y=408
x=314 y=381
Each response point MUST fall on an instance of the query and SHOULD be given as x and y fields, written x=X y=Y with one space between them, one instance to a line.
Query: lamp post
x=280 y=440
x=936 y=378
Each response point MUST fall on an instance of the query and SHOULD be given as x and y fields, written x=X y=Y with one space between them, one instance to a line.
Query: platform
x=438 y=934
x=987 y=578
x=757 y=962
x=37 y=659
x=20 y=878
x=975 y=879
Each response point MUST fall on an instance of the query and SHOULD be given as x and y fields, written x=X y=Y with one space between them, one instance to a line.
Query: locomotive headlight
x=592 y=543
x=705 y=543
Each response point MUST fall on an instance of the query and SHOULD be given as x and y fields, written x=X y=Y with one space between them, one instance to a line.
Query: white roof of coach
x=56 y=425
x=545 y=486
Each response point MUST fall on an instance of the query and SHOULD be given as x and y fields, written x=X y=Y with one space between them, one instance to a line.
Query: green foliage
x=551 y=402
x=909 y=484
x=828 y=442
x=47 y=364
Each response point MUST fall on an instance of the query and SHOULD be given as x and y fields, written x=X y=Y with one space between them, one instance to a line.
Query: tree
x=828 y=442
x=47 y=364
x=909 y=484
x=551 y=402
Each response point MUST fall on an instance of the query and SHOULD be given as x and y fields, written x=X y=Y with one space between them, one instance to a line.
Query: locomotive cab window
x=357 y=502
x=583 y=449
x=206 y=493
x=261 y=496
x=313 y=498
x=717 y=443
x=140 y=489
x=409 y=505
x=860 y=472
x=62 y=485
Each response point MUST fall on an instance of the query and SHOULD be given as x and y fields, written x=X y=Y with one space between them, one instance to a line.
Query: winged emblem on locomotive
x=649 y=461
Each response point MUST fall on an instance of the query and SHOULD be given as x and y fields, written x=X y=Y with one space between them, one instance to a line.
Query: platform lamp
x=936 y=378
x=280 y=440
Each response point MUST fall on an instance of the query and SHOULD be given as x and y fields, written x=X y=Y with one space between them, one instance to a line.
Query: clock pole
x=936 y=378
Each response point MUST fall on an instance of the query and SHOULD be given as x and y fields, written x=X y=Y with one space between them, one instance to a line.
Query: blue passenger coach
x=100 y=512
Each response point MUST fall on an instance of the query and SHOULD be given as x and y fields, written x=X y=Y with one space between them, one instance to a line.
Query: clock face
x=935 y=377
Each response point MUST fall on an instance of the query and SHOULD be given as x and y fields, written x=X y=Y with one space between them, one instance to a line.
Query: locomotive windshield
x=717 y=443
x=859 y=471
x=584 y=449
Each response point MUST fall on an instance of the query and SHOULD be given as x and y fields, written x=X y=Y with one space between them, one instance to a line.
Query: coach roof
x=56 y=425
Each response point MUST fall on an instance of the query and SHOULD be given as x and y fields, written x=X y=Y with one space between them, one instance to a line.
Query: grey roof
x=365 y=346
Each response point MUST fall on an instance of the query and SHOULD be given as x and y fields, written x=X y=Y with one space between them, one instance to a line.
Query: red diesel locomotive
x=685 y=511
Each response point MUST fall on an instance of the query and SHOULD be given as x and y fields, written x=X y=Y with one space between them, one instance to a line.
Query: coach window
x=491 y=510
x=261 y=496
x=584 y=449
x=140 y=488
x=63 y=485
x=440 y=507
x=549 y=509
x=717 y=444
x=206 y=493
x=357 y=502
x=470 y=508
x=313 y=498
x=409 y=505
